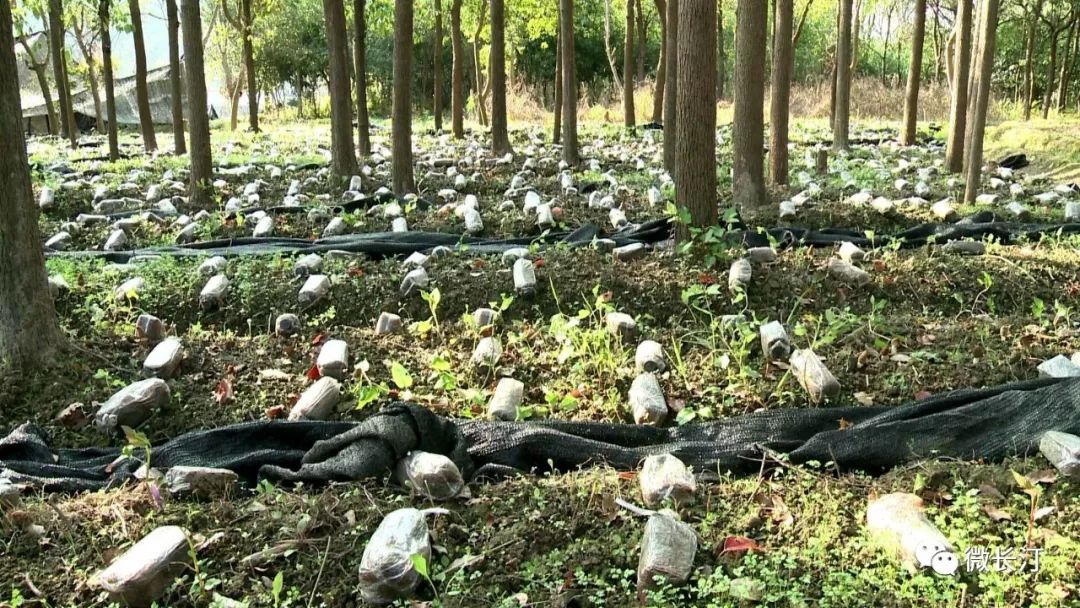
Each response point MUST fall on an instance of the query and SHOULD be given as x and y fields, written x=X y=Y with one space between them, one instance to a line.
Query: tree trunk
x=855 y=39
x=86 y=47
x=29 y=331
x=642 y=39
x=248 y=50
x=628 y=67
x=343 y=157
x=556 y=134
x=234 y=99
x=954 y=154
x=1029 y=60
x=1066 y=66
x=607 y=45
x=41 y=71
x=179 y=146
x=198 y=120
x=721 y=58
x=569 y=83
x=105 y=21
x=843 y=78
x=402 y=112
x=695 y=150
x=783 y=58
x=983 y=73
x=59 y=62
x=661 y=66
x=1051 y=72
x=802 y=23
x=500 y=138
x=142 y=94
x=437 y=88
x=457 y=79
x=481 y=85
x=360 y=61
x=911 y=101
x=885 y=49
x=671 y=91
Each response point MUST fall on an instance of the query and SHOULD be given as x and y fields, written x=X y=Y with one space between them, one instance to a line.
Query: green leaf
x=367 y=394
x=279 y=582
x=440 y=364
x=135 y=438
x=401 y=376
x=685 y=415
x=420 y=564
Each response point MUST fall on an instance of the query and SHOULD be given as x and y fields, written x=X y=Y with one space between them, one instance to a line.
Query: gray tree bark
x=247 y=19
x=569 y=83
x=987 y=39
x=911 y=101
x=142 y=93
x=29 y=331
x=843 y=78
x=500 y=138
x=954 y=152
x=628 y=66
x=748 y=140
x=198 y=120
x=457 y=78
x=105 y=21
x=341 y=143
x=402 y=112
x=360 y=61
x=671 y=91
x=780 y=97
x=179 y=145
x=59 y=62
x=695 y=149
x=556 y=135
x=661 y=66
x=437 y=97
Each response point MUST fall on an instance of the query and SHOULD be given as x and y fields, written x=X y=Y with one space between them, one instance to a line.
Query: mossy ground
x=928 y=322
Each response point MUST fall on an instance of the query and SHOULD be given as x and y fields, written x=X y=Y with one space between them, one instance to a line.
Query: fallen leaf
x=739 y=544
x=899 y=358
x=275 y=412
x=313 y=372
x=273 y=374
x=844 y=424
x=627 y=475
x=223 y=394
x=319 y=337
x=989 y=490
x=1046 y=476
x=864 y=398
x=919 y=396
x=996 y=514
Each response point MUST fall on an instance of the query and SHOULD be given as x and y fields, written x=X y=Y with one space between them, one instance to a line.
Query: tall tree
x=482 y=87
x=363 y=127
x=661 y=66
x=59 y=61
x=671 y=91
x=954 y=153
x=86 y=37
x=911 y=101
x=1034 y=13
x=988 y=21
x=40 y=67
x=142 y=92
x=198 y=119
x=402 y=112
x=1067 y=64
x=247 y=16
x=1057 y=22
x=780 y=97
x=341 y=142
x=695 y=150
x=569 y=83
x=556 y=134
x=29 y=332
x=457 y=78
x=628 y=66
x=843 y=78
x=438 y=66
x=179 y=146
x=105 y=23
x=751 y=28
x=642 y=39
x=500 y=139
x=721 y=58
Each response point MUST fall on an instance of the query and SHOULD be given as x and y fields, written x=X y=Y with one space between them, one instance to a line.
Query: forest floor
x=927 y=322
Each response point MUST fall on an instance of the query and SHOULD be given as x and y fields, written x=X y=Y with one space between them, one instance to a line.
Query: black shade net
x=985 y=424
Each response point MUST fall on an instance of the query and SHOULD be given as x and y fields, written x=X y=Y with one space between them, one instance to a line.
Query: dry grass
x=871 y=100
